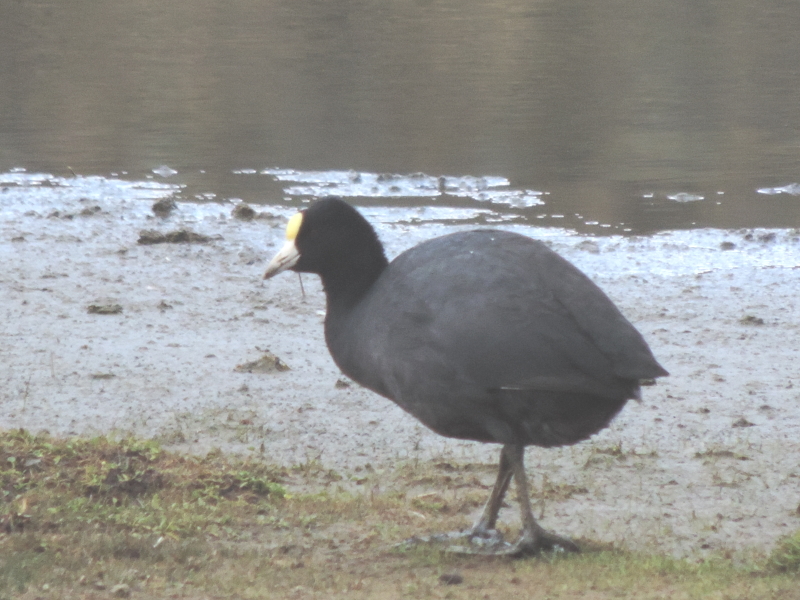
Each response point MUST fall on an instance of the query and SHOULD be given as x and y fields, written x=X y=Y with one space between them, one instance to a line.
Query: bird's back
x=490 y=335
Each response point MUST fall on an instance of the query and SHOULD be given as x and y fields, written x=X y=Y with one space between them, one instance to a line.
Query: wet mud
x=707 y=463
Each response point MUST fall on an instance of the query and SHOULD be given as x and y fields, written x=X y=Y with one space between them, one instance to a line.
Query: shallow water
x=633 y=116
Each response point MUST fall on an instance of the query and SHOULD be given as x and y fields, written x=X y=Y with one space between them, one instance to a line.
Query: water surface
x=626 y=116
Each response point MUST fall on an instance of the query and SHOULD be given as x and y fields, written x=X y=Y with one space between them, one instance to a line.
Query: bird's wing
x=519 y=318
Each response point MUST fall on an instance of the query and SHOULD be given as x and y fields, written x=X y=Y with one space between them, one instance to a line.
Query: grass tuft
x=786 y=556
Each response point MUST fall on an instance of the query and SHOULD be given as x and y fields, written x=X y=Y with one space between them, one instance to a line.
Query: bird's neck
x=352 y=283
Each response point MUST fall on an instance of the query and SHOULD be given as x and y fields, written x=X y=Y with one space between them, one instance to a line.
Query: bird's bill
x=286 y=258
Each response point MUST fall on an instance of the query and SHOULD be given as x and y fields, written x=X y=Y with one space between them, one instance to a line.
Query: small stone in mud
x=767 y=237
x=742 y=422
x=751 y=320
x=103 y=376
x=186 y=235
x=244 y=212
x=270 y=217
x=58 y=215
x=451 y=578
x=90 y=211
x=727 y=246
x=589 y=246
x=268 y=363
x=341 y=384
x=148 y=236
x=121 y=590
x=163 y=306
x=104 y=309
x=164 y=207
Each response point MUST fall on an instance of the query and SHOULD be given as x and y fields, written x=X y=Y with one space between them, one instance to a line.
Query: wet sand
x=708 y=463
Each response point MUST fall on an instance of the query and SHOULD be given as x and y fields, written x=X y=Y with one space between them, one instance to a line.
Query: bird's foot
x=527 y=545
x=478 y=540
x=490 y=542
x=532 y=543
x=470 y=541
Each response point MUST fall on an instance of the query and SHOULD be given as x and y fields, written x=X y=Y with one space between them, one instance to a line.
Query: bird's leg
x=484 y=527
x=483 y=538
x=534 y=538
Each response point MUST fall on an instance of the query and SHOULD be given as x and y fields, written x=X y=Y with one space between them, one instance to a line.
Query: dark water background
x=624 y=112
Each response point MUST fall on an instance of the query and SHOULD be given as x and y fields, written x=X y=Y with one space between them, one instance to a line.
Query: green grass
x=79 y=516
x=786 y=556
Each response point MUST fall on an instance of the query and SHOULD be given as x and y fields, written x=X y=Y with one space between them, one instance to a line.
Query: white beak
x=286 y=258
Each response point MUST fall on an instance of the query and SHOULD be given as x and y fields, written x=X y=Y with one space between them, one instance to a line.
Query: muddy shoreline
x=709 y=462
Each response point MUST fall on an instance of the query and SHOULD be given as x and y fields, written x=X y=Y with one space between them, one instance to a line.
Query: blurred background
x=618 y=116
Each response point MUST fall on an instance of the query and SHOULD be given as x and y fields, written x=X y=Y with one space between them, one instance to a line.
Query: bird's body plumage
x=491 y=336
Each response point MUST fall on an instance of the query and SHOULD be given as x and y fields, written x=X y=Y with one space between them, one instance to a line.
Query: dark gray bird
x=483 y=335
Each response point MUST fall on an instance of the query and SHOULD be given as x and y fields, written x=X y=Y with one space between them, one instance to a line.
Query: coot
x=482 y=335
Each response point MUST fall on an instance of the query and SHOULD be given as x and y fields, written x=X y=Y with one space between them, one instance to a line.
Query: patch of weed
x=786 y=556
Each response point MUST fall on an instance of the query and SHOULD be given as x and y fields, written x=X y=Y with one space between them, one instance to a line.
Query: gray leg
x=533 y=539
x=485 y=526
x=483 y=538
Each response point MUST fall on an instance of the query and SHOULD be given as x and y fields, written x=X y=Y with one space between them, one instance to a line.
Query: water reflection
x=615 y=110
